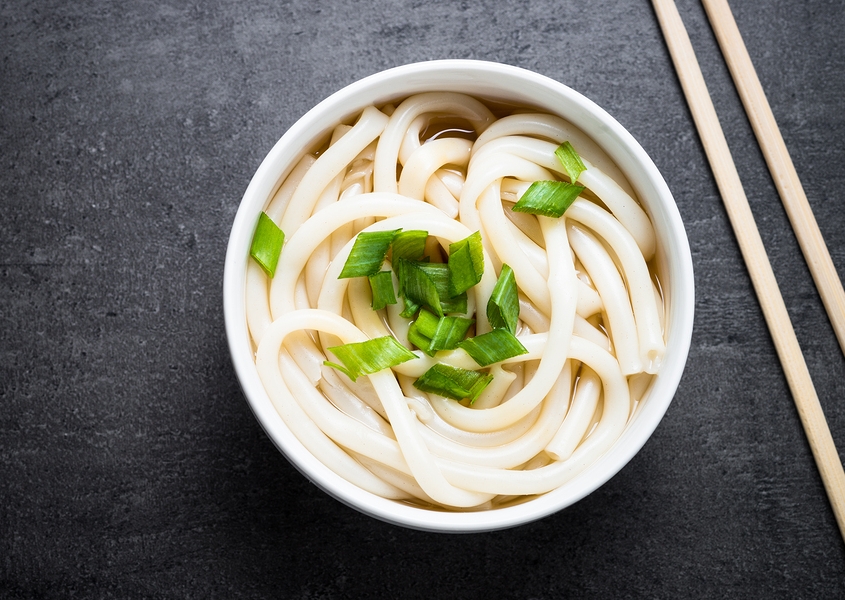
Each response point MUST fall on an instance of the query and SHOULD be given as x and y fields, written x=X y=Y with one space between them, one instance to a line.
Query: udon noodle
x=590 y=318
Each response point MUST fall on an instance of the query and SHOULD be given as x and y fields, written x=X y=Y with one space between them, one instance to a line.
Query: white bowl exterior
x=485 y=80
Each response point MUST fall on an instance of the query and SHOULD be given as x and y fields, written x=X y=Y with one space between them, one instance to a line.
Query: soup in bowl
x=458 y=296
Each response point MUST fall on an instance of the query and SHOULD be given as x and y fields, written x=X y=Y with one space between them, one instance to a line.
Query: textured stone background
x=130 y=464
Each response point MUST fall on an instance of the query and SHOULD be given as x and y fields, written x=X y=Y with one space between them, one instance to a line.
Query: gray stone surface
x=131 y=466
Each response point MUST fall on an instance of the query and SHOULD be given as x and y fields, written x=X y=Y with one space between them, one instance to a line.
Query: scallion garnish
x=410 y=309
x=423 y=329
x=492 y=347
x=572 y=163
x=371 y=356
x=416 y=286
x=367 y=254
x=267 y=244
x=503 y=306
x=441 y=275
x=452 y=382
x=466 y=263
x=548 y=198
x=419 y=340
x=409 y=244
x=431 y=333
x=381 y=285
x=450 y=332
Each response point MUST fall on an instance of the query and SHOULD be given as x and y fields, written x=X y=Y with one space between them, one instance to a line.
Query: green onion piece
x=431 y=334
x=466 y=263
x=421 y=331
x=450 y=332
x=572 y=163
x=367 y=254
x=409 y=244
x=267 y=244
x=548 y=198
x=364 y=358
x=426 y=323
x=381 y=285
x=492 y=347
x=410 y=309
x=503 y=305
x=456 y=305
x=441 y=275
x=416 y=286
x=420 y=341
x=452 y=382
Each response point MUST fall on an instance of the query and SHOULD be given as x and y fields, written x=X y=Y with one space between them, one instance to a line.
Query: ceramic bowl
x=484 y=80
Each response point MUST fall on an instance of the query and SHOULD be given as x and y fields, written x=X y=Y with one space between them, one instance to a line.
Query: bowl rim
x=484 y=77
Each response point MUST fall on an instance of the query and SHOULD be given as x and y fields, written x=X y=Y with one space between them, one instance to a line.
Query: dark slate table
x=131 y=466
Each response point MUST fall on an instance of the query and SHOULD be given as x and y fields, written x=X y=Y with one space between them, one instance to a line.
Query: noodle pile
x=591 y=315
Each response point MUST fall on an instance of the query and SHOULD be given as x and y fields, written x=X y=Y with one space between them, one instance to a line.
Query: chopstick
x=754 y=254
x=780 y=164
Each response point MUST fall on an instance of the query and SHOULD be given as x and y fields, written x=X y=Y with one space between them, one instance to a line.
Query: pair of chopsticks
x=745 y=229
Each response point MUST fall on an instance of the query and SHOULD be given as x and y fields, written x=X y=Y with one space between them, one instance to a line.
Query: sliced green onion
x=410 y=309
x=452 y=382
x=367 y=254
x=371 y=356
x=409 y=244
x=420 y=341
x=430 y=333
x=572 y=163
x=381 y=285
x=456 y=305
x=466 y=263
x=422 y=329
x=426 y=323
x=267 y=244
x=416 y=286
x=548 y=198
x=503 y=306
x=450 y=332
x=441 y=275
x=492 y=347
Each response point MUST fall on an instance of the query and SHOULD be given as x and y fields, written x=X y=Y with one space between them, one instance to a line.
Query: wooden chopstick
x=780 y=164
x=754 y=254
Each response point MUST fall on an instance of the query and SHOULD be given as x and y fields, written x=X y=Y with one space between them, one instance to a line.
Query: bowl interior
x=496 y=82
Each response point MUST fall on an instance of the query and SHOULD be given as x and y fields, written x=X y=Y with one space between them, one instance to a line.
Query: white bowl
x=493 y=81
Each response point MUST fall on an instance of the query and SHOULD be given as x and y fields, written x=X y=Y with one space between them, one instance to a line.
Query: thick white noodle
x=469 y=438
x=331 y=163
x=494 y=393
x=562 y=290
x=532 y=283
x=588 y=305
x=547 y=478
x=541 y=153
x=579 y=417
x=557 y=130
x=427 y=159
x=387 y=153
x=305 y=430
x=486 y=171
x=419 y=460
x=438 y=474
x=411 y=138
x=258 y=317
x=611 y=287
x=517 y=452
x=623 y=207
x=319 y=260
x=636 y=274
x=279 y=204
